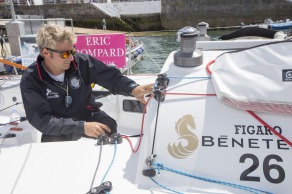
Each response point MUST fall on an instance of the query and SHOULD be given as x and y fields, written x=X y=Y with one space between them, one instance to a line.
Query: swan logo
x=187 y=142
x=287 y=75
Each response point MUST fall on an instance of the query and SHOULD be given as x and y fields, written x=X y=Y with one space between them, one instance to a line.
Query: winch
x=188 y=55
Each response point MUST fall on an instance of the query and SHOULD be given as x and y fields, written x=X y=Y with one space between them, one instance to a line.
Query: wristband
x=131 y=87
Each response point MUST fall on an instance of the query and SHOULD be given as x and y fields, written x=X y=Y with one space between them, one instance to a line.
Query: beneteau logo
x=187 y=142
x=287 y=75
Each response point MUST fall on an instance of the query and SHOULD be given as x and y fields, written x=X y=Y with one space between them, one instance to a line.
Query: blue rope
x=250 y=189
x=164 y=186
x=181 y=77
x=115 y=151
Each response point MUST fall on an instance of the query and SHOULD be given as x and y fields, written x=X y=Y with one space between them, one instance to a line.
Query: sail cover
x=257 y=79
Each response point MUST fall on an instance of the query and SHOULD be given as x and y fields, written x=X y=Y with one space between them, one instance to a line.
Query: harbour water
x=157 y=49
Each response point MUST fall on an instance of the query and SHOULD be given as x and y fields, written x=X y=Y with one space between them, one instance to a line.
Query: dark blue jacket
x=44 y=98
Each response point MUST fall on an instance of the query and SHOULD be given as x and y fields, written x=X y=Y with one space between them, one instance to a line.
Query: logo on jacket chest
x=50 y=94
x=75 y=82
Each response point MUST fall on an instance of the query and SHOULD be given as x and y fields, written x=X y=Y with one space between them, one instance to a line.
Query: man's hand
x=140 y=91
x=94 y=129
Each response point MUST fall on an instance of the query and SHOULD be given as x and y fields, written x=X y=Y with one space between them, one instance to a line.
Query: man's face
x=58 y=59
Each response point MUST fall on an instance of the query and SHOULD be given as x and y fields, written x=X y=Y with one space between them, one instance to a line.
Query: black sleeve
x=108 y=77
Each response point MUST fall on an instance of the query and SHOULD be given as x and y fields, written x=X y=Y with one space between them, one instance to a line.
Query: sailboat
x=218 y=121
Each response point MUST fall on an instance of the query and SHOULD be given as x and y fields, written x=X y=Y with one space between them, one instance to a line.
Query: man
x=1 y=41
x=57 y=93
x=103 y=24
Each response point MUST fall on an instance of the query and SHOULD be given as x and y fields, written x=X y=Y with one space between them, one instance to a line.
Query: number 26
x=266 y=168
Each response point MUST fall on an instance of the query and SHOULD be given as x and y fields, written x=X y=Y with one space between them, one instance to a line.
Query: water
x=157 y=49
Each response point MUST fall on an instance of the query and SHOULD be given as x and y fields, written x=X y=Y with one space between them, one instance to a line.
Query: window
x=133 y=106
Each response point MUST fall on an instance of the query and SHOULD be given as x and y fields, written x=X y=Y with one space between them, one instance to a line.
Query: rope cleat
x=150 y=159
x=115 y=138
x=160 y=86
x=150 y=172
x=102 y=139
x=101 y=189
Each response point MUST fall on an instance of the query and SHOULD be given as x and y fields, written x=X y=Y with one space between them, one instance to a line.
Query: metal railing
x=48 y=2
x=44 y=21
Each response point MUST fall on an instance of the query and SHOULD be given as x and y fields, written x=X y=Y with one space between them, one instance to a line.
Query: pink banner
x=108 y=48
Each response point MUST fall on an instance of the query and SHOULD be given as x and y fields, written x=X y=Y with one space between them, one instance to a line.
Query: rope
x=99 y=159
x=208 y=66
x=189 y=94
x=164 y=186
x=254 y=115
x=141 y=130
x=250 y=189
x=115 y=151
x=196 y=77
x=270 y=128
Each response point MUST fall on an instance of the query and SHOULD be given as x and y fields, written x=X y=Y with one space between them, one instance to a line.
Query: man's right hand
x=94 y=129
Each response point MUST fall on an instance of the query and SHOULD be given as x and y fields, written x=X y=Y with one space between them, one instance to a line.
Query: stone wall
x=78 y=12
x=86 y=15
x=176 y=14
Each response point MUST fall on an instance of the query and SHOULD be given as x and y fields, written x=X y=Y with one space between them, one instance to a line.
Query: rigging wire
x=152 y=59
x=155 y=127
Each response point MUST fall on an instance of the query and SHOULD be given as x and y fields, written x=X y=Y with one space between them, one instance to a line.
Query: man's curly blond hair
x=51 y=34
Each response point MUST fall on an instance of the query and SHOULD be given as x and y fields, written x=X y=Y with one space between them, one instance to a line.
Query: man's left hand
x=140 y=91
